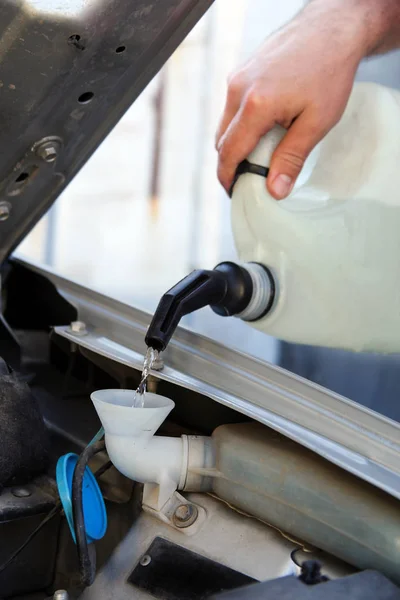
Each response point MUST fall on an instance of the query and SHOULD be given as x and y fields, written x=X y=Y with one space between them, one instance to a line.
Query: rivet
x=5 y=210
x=145 y=560
x=21 y=492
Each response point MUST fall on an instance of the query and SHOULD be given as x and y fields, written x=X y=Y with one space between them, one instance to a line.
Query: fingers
x=277 y=86
x=290 y=155
x=249 y=124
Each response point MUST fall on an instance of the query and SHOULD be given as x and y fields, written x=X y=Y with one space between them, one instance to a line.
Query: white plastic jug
x=334 y=244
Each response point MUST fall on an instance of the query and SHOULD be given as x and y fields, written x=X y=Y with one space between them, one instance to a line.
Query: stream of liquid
x=139 y=395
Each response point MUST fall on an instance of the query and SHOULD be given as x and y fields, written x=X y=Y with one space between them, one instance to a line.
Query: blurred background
x=147 y=208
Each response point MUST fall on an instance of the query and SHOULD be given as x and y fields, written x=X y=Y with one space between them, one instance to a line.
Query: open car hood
x=68 y=72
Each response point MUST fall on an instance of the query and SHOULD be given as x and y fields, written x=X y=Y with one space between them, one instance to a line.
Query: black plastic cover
x=172 y=572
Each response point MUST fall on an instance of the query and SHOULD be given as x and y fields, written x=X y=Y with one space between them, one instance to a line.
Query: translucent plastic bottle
x=334 y=244
x=270 y=477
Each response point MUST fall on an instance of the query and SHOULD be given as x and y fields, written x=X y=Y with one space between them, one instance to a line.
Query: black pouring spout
x=246 y=291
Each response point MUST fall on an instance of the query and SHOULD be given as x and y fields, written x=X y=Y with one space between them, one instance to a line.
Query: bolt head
x=48 y=152
x=21 y=492
x=183 y=512
x=78 y=328
x=60 y=595
x=185 y=515
x=5 y=210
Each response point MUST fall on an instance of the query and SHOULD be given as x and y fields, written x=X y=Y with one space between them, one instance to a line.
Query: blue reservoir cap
x=94 y=509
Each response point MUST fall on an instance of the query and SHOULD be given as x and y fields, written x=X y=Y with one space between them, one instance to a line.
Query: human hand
x=300 y=78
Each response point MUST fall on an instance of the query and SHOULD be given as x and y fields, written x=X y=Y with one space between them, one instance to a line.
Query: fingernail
x=282 y=186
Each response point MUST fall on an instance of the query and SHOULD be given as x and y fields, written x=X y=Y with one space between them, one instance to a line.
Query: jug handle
x=259 y=160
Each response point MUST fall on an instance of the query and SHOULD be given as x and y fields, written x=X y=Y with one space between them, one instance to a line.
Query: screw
x=78 y=328
x=61 y=595
x=48 y=152
x=5 y=209
x=145 y=560
x=21 y=492
x=185 y=515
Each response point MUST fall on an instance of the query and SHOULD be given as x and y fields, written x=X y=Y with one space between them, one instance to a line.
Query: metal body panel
x=69 y=71
x=349 y=435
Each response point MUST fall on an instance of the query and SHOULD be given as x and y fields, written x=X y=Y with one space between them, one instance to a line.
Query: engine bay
x=177 y=551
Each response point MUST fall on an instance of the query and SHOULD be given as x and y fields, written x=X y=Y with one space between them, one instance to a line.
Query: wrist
x=383 y=18
x=371 y=26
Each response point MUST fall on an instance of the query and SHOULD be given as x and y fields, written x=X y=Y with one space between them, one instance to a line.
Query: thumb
x=291 y=154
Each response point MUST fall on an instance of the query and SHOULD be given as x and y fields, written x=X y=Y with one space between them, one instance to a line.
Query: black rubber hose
x=86 y=554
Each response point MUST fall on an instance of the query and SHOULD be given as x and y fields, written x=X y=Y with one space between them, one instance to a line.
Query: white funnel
x=130 y=441
x=119 y=417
